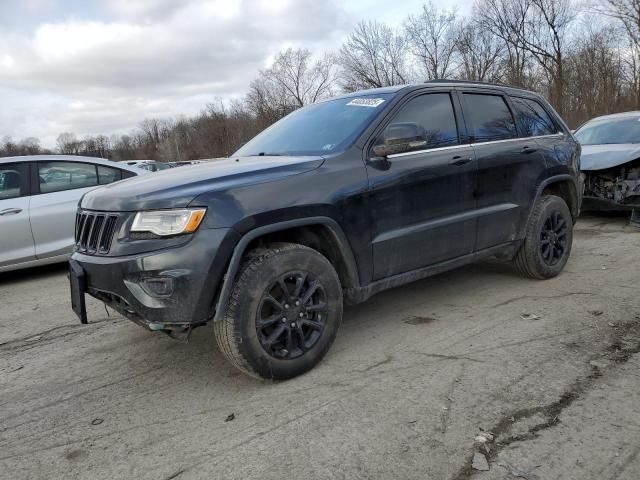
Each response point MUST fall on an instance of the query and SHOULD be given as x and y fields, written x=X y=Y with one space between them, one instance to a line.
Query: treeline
x=584 y=57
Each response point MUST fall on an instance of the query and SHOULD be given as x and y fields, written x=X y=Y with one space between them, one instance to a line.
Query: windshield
x=611 y=130
x=317 y=129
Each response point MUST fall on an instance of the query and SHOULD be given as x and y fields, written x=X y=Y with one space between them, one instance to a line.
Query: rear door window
x=13 y=180
x=490 y=117
x=433 y=114
x=60 y=176
x=533 y=118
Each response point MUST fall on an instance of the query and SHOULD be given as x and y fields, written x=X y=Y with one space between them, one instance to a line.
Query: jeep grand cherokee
x=334 y=203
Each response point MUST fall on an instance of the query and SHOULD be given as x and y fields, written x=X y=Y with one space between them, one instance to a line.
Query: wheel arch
x=564 y=186
x=323 y=234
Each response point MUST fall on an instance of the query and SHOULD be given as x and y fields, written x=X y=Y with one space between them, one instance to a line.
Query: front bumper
x=189 y=275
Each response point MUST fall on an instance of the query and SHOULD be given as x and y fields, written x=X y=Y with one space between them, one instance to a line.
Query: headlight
x=168 y=222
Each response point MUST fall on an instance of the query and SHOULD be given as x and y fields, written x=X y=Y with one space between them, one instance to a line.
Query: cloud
x=102 y=66
x=148 y=57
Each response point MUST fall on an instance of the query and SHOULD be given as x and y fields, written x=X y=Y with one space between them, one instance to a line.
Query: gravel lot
x=551 y=368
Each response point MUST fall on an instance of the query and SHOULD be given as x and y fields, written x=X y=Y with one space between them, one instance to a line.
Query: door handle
x=10 y=211
x=458 y=160
x=527 y=149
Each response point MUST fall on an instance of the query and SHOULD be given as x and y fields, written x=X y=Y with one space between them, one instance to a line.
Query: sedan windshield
x=318 y=129
x=611 y=130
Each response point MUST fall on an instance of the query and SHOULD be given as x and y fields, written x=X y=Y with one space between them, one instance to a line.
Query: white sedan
x=39 y=197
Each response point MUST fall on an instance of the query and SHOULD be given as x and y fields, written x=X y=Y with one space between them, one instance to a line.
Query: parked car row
x=38 y=201
x=334 y=203
x=39 y=197
x=150 y=165
x=155 y=166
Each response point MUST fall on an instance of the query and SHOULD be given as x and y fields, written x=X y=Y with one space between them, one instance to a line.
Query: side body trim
x=439 y=222
x=452 y=147
x=361 y=294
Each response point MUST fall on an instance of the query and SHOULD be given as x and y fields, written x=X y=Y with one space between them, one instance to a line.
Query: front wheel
x=283 y=314
x=549 y=236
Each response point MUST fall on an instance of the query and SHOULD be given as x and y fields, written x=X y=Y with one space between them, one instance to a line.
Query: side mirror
x=400 y=138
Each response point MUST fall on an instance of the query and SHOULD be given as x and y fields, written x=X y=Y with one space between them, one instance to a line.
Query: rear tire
x=264 y=332
x=549 y=236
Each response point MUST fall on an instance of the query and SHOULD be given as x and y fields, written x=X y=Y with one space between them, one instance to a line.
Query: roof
x=436 y=83
x=68 y=158
x=633 y=113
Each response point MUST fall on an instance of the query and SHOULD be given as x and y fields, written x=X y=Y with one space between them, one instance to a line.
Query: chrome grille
x=94 y=232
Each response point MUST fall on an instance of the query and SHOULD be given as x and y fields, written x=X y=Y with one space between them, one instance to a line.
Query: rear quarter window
x=533 y=118
x=108 y=174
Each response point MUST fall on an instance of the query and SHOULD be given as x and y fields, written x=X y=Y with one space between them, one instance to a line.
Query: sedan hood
x=600 y=157
x=176 y=187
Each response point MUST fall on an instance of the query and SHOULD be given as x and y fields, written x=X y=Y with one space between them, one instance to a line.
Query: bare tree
x=305 y=82
x=506 y=19
x=268 y=100
x=537 y=27
x=432 y=40
x=373 y=56
x=627 y=12
x=68 y=143
x=596 y=72
x=480 y=53
x=294 y=80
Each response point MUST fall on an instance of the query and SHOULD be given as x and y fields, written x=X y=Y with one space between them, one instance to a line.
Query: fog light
x=158 y=286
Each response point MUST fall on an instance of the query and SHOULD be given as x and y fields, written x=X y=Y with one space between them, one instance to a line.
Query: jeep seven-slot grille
x=94 y=232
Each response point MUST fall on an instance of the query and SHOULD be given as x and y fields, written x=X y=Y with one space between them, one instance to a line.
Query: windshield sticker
x=366 y=102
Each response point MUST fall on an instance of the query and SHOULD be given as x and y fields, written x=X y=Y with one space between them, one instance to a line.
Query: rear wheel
x=549 y=236
x=283 y=314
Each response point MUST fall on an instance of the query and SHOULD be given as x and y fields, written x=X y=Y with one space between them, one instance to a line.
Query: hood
x=600 y=157
x=176 y=187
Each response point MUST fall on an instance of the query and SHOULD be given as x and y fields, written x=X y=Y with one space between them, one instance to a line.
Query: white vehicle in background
x=39 y=197
x=610 y=163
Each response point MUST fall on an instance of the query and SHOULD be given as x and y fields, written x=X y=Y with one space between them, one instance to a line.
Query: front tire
x=283 y=314
x=549 y=236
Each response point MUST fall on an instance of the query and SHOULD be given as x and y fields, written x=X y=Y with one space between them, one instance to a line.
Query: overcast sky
x=101 y=66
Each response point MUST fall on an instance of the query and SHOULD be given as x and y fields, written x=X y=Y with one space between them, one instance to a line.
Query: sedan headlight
x=168 y=222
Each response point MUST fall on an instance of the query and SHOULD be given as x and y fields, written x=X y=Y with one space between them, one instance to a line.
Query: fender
x=577 y=185
x=238 y=253
x=544 y=184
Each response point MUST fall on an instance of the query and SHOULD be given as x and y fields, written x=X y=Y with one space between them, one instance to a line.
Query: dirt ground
x=415 y=377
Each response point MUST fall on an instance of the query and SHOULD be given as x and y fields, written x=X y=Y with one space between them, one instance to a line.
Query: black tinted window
x=432 y=119
x=13 y=180
x=58 y=176
x=533 y=118
x=108 y=175
x=490 y=117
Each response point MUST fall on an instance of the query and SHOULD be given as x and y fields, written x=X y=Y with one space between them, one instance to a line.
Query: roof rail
x=472 y=82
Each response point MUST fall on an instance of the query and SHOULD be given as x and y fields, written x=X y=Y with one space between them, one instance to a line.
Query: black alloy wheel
x=292 y=314
x=284 y=311
x=553 y=238
x=546 y=247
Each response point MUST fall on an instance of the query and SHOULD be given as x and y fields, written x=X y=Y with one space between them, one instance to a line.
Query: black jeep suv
x=332 y=204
